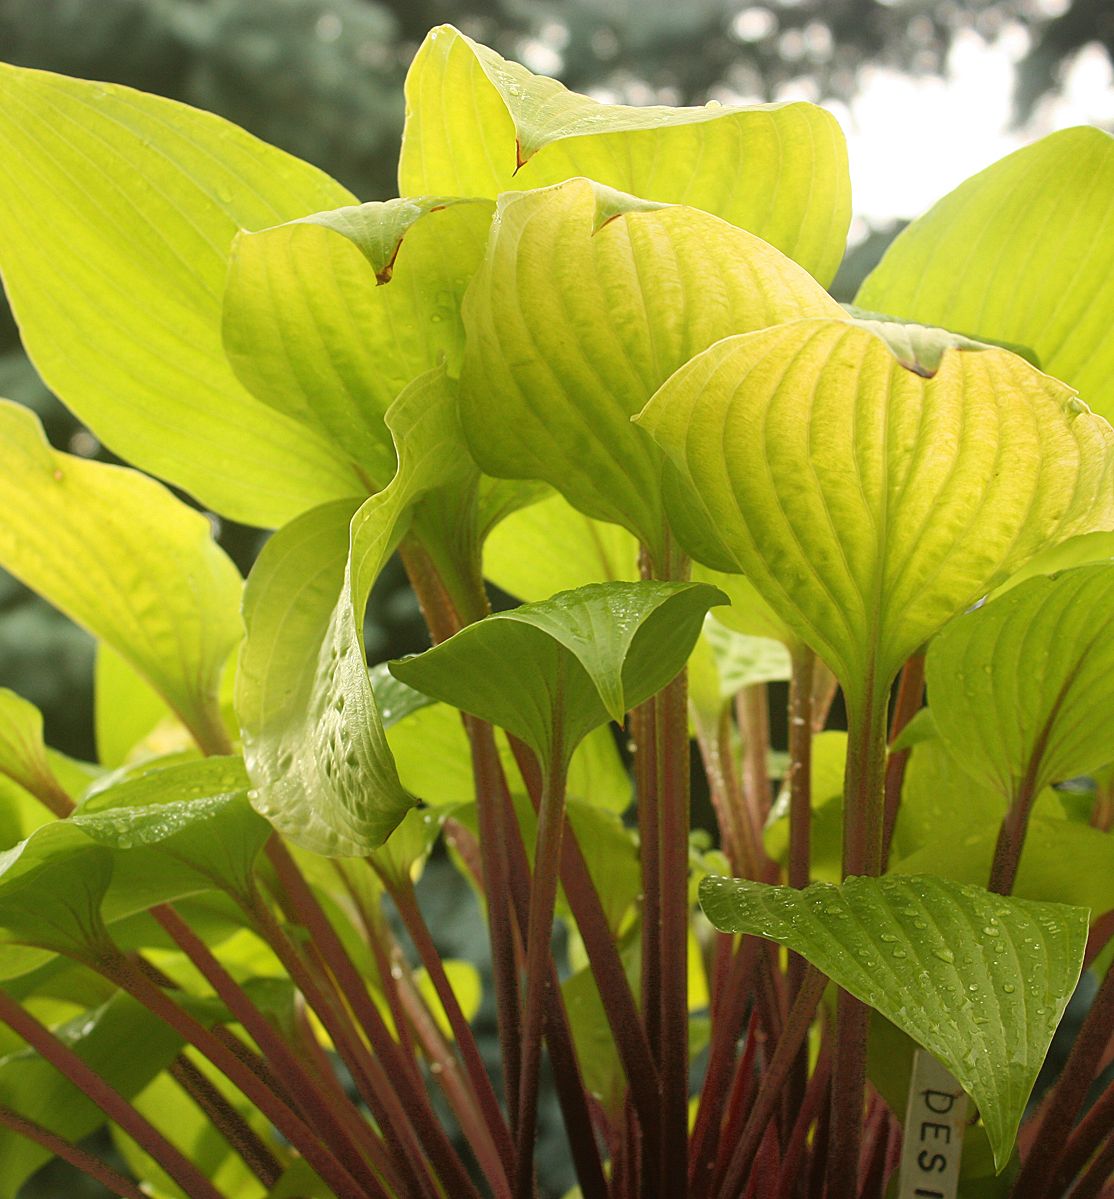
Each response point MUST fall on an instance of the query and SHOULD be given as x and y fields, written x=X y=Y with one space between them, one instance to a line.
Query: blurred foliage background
x=323 y=79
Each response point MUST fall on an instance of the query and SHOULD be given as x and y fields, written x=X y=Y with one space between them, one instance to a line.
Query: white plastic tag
x=935 y=1121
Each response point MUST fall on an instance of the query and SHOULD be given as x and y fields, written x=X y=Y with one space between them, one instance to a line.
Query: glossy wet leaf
x=929 y=490
x=1022 y=252
x=587 y=300
x=979 y=980
x=576 y=659
x=117 y=211
x=179 y=829
x=1023 y=688
x=106 y=1039
x=321 y=769
x=477 y=125
x=121 y=556
x=328 y=317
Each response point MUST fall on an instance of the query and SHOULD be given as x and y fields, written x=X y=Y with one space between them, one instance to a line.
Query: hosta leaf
x=126 y=709
x=929 y=490
x=188 y=1127
x=120 y=555
x=977 y=979
x=314 y=743
x=586 y=302
x=170 y=833
x=327 y=318
x=829 y=760
x=574 y=659
x=477 y=125
x=749 y=614
x=1050 y=843
x=1023 y=252
x=549 y=547
x=1023 y=688
x=117 y=211
x=1076 y=551
x=23 y=754
x=106 y=1039
x=51 y=888
x=180 y=829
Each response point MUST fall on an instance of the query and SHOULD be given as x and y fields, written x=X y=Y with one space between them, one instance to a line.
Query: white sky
x=912 y=140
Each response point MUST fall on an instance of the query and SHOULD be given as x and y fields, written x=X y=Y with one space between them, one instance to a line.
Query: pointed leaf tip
x=979 y=980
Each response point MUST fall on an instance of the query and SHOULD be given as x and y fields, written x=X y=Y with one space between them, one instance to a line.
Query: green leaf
x=179 y=829
x=979 y=980
x=126 y=709
x=586 y=302
x=327 y=318
x=1022 y=689
x=1061 y=862
x=1076 y=551
x=477 y=125
x=314 y=743
x=120 y=555
x=1038 y=225
x=23 y=754
x=829 y=759
x=118 y=210
x=929 y=491
x=574 y=659
x=549 y=546
x=51 y=888
x=105 y=1039
x=185 y=1125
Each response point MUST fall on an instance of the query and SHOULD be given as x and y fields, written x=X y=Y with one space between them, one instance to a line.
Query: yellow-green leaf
x=328 y=317
x=477 y=125
x=1023 y=253
x=120 y=555
x=314 y=743
x=979 y=980
x=117 y=211
x=586 y=302
x=870 y=499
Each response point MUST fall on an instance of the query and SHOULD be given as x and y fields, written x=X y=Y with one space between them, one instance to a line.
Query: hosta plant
x=587 y=357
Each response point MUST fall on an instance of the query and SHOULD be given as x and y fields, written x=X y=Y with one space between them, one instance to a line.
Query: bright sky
x=912 y=140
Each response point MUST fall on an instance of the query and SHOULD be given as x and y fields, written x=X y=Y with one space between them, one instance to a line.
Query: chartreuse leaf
x=829 y=759
x=117 y=210
x=1076 y=551
x=1023 y=688
x=179 y=829
x=574 y=659
x=587 y=300
x=108 y=1039
x=328 y=317
x=170 y=833
x=943 y=470
x=549 y=546
x=1021 y=253
x=175 y=1113
x=126 y=710
x=967 y=852
x=314 y=744
x=120 y=555
x=979 y=980
x=477 y=125
x=23 y=754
